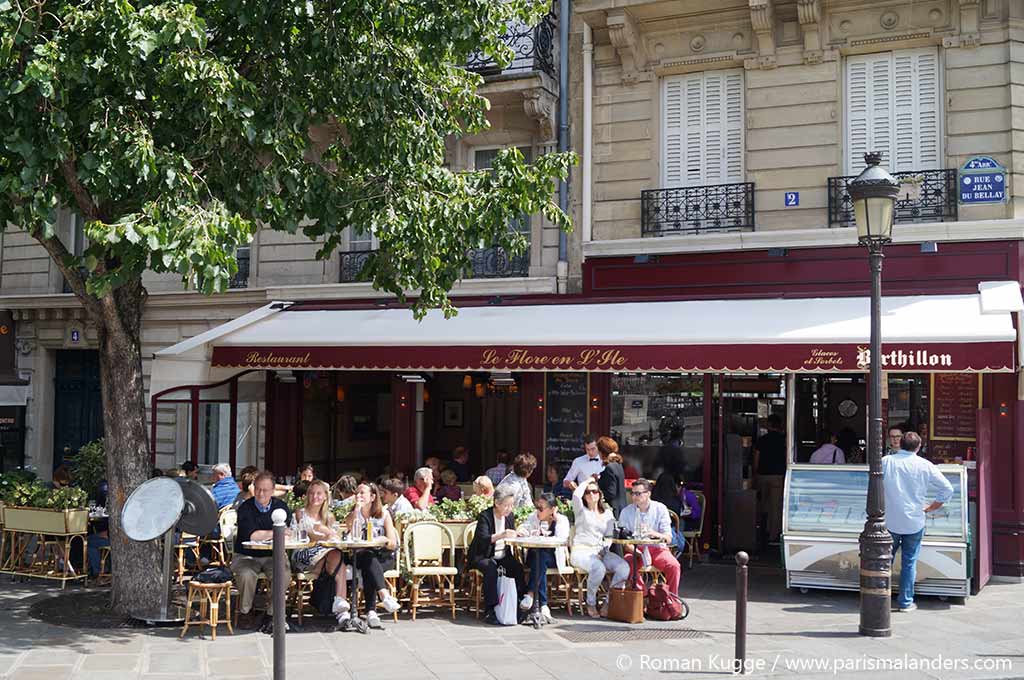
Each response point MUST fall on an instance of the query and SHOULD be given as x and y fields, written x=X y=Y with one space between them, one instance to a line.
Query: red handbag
x=664 y=605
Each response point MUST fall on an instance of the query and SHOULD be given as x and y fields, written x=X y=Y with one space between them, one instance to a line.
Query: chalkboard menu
x=565 y=417
x=954 y=404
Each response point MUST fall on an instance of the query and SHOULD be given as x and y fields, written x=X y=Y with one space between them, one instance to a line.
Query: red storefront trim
x=737 y=358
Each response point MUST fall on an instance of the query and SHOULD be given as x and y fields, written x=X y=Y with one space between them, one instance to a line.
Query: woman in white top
x=519 y=479
x=595 y=523
x=369 y=520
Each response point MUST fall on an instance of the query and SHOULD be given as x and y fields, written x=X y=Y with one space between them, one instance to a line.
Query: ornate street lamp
x=874 y=194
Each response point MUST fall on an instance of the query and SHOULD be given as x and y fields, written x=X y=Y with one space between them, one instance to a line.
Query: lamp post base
x=875 y=579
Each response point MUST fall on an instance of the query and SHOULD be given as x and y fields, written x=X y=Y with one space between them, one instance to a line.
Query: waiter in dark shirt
x=770 y=476
x=255 y=524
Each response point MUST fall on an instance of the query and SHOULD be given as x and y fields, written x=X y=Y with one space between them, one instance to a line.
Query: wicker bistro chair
x=187 y=543
x=693 y=537
x=475 y=576
x=423 y=548
x=220 y=548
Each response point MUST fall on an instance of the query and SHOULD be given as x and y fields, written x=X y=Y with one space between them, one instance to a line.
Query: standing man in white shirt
x=908 y=480
x=586 y=466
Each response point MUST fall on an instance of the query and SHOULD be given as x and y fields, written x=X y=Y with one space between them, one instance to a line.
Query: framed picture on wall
x=453 y=413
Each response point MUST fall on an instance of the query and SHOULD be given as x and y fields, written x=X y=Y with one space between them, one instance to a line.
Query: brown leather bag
x=626 y=605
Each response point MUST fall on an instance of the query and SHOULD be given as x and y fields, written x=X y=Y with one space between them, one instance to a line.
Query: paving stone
x=247 y=665
x=7 y=661
x=50 y=657
x=110 y=662
x=41 y=673
x=179 y=664
x=105 y=675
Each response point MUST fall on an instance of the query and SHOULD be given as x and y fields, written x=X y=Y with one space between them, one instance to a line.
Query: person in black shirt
x=255 y=524
x=770 y=476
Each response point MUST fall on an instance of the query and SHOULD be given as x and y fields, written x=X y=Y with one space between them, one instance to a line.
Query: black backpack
x=322 y=597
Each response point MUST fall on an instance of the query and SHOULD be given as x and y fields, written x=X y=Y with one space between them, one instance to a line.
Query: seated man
x=544 y=521
x=255 y=524
x=420 y=494
x=649 y=519
x=392 y=492
x=224 y=488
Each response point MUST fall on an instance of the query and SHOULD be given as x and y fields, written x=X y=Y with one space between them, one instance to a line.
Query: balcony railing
x=533 y=47
x=925 y=196
x=241 y=277
x=697 y=210
x=485 y=263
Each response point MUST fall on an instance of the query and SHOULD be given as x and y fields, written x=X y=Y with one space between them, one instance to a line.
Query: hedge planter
x=45 y=520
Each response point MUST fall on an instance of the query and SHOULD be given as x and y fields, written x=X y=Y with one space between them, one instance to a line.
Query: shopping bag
x=626 y=605
x=506 y=611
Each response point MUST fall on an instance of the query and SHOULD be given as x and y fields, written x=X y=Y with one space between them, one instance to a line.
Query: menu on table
x=954 y=406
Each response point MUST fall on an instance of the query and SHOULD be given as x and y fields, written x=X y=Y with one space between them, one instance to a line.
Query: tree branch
x=59 y=254
x=85 y=203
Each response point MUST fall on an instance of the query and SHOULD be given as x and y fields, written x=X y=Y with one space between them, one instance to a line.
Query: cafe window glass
x=909 y=396
x=831 y=405
x=654 y=415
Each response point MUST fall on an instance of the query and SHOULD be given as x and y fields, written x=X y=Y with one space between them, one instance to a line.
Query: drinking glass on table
x=543 y=529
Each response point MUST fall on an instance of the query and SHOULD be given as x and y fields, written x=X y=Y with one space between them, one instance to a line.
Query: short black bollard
x=739 y=662
x=279 y=587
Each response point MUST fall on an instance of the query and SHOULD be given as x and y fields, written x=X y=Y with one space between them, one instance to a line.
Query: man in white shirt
x=649 y=519
x=586 y=466
x=392 y=493
x=908 y=480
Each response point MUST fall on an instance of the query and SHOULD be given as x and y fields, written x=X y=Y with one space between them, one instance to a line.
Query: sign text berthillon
x=898 y=358
x=526 y=358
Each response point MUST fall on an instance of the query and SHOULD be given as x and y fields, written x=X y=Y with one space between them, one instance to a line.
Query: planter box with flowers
x=32 y=508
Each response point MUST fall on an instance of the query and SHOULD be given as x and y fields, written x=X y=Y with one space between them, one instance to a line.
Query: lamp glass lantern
x=873 y=193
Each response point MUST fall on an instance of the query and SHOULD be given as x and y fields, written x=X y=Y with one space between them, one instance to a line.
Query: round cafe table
x=352 y=546
x=536 y=543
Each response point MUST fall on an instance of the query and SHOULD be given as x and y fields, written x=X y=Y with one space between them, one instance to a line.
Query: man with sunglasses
x=650 y=519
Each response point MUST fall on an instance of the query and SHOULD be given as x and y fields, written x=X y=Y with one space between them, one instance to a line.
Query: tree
x=176 y=129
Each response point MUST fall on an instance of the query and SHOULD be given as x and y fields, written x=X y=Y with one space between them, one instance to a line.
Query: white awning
x=920 y=333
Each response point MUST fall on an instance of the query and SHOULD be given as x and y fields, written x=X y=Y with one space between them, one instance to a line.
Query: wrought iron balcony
x=533 y=48
x=925 y=196
x=352 y=263
x=697 y=210
x=485 y=263
x=241 y=277
x=496 y=263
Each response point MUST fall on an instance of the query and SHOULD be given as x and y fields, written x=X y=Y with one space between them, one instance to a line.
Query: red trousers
x=662 y=559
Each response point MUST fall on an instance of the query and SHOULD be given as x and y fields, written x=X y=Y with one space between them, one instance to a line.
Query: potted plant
x=32 y=508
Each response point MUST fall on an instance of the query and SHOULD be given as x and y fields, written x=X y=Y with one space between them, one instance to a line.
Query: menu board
x=565 y=417
x=954 y=406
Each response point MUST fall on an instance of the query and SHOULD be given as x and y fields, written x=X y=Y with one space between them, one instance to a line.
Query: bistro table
x=537 y=543
x=351 y=546
x=633 y=544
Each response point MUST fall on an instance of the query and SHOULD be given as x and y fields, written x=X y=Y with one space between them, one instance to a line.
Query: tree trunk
x=138 y=580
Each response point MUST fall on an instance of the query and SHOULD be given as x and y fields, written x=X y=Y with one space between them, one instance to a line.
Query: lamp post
x=874 y=193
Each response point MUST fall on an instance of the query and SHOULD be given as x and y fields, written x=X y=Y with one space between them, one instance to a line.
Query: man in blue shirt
x=224 y=488
x=908 y=480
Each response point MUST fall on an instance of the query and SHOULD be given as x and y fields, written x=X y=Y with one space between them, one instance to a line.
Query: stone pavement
x=980 y=639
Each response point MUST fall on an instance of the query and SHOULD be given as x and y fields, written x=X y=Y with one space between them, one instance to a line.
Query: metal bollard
x=280 y=586
x=739 y=662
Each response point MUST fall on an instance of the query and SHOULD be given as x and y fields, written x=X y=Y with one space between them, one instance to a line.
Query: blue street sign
x=982 y=180
x=75 y=336
x=792 y=198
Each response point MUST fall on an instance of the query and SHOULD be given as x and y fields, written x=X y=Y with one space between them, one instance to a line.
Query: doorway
x=78 y=403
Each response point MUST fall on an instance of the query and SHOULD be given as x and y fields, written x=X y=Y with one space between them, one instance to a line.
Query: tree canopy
x=176 y=129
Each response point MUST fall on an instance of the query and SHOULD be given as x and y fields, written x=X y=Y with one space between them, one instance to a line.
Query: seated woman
x=483 y=486
x=553 y=482
x=544 y=521
x=449 y=486
x=320 y=525
x=373 y=562
x=488 y=550
x=595 y=523
x=519 y=479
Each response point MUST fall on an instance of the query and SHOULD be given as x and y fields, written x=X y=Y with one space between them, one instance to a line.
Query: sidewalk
x=982 y=639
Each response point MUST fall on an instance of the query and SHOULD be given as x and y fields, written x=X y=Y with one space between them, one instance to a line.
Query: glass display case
x=824 y=516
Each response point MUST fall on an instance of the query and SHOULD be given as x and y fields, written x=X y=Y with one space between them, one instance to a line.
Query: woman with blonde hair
x=316 y=518
x=483 y=486
x=612 y=481
x=369 y=520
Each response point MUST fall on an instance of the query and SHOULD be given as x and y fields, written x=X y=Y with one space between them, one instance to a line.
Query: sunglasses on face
x=592 y=491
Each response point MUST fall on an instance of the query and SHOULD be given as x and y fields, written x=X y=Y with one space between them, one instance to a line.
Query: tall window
x=483 y=159
x=894 y=106
x=76 y=242
x=361 y=241
x=702 y=129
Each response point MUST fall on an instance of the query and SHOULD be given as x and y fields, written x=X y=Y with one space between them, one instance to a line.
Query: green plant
x=521 y=513
x=564 y=506
x=22 y=492
x=88 y=467
x=67 y=498
x=342 y=509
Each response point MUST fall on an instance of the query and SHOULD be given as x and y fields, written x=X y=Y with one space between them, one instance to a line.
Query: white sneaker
x=390 y=604
x=545 y=611
x=343 y=617
x=340 y=605
x=373 y=621
x=526 y=602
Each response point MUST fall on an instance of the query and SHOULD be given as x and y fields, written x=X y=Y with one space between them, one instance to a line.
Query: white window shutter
x=734 y=128
x=928 y=110
x=903 y=154
x=693 y=144
x=880 y=107
x=702 y=129
x=857 y=119
x=672 y=132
